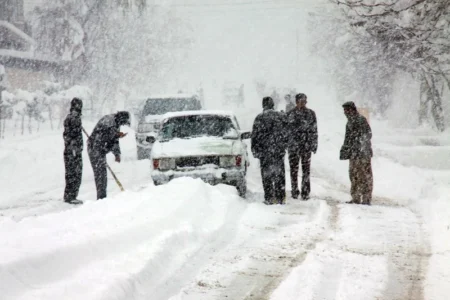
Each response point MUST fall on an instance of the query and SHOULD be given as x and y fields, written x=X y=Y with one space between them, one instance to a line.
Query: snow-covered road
x=189 y=240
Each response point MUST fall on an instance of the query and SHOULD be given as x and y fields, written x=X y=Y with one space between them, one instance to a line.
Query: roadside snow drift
x=106 y=249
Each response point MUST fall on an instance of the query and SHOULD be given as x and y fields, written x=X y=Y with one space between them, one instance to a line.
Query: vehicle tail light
x=155 y=164
x=238 y=161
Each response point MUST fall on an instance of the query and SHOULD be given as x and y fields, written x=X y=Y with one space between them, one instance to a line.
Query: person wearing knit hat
x=104 y=139
x=357 y=148
x=73 y=148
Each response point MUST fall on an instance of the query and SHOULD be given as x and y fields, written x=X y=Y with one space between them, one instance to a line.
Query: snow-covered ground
x=189 y=240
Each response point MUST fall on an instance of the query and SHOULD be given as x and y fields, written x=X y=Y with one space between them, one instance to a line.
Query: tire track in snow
x=266 y=272
x=266 y=292
x=408 y=263
x=407 y=260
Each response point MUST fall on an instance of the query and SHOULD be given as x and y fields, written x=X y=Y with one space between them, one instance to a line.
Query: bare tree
x=122 y=42
x=354 y=60
x=411 y=36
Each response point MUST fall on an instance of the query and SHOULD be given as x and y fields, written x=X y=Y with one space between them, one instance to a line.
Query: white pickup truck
x=201 y=144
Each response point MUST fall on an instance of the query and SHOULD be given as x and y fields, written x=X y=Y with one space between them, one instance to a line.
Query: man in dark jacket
x=105 y=139
x=73 y=148
x=269 y=146
x=358 y=149
x=303 y=140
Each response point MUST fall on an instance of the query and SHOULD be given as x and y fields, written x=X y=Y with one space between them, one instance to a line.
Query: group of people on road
x=104 y=139
x=295 y=131
x=274 y=133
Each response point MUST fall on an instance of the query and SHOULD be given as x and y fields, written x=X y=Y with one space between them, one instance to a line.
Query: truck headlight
x=227 y=161
x=166 y=164
x=145 y=128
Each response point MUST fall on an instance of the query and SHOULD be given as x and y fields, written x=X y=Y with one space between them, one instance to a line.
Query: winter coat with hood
x=73 y=134
x=106 y=134
x=302 y=130
x=268 y=133
x=357 y=142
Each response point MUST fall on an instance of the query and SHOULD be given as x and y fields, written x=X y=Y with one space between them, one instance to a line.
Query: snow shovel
x=109 y=168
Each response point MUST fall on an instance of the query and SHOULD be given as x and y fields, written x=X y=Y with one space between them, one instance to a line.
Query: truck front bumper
x=212 y=176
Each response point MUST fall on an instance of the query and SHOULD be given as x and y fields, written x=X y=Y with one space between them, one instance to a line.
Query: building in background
x=12 y=11
x=24 y=67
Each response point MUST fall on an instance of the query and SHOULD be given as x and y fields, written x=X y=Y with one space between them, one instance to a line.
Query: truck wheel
x=142 y=154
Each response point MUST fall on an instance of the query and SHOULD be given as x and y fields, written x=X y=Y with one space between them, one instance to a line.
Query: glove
x=118 y=158
x=121 y=135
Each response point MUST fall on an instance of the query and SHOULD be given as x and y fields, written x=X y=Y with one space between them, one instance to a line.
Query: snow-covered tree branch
x=110 y=43
x=375 y=38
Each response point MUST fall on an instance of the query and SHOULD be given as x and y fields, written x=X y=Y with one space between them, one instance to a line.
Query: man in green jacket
x=358 y=149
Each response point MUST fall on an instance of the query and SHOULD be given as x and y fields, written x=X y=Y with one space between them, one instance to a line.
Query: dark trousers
x=294 y=158
x=98 y=162
x=361 y=179
x=74 y=171
x=273 y=178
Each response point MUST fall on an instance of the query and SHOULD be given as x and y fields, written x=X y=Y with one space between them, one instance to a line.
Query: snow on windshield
x=198 y=125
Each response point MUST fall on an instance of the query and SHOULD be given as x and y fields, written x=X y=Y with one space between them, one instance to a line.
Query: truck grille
x=195 y=161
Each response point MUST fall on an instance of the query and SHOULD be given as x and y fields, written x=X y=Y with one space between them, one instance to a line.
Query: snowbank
x=129 y=238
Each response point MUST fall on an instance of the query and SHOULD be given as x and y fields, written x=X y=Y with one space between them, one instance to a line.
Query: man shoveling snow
x=104 y=139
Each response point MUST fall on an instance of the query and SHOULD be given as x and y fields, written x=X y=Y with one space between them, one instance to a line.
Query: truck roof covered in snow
x=198 y=113
x=171 y=96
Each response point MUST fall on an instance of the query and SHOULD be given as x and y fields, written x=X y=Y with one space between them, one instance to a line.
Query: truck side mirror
x=246 y=135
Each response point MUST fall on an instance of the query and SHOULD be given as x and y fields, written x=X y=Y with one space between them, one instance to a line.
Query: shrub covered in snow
x=50 y=104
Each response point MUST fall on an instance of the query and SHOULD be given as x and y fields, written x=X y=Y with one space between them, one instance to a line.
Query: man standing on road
x=303 y=139
x=105 y=139
x=358 y=149
x=269 y=146
x=73 y=148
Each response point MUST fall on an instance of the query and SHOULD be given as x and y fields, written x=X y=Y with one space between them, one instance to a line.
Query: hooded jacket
x=73 y=135
x=268 y=133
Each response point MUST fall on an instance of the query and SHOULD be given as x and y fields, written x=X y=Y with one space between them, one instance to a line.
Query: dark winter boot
x=295 y=194
x=353 y=202
x=365 y=202
x=74 y=202
x=305 y=197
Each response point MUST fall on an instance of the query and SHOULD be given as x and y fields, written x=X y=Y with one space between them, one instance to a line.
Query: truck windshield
x=196 y=126
x=162 y=106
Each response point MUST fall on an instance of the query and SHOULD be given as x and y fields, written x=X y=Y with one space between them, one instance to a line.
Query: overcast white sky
x=246 y=39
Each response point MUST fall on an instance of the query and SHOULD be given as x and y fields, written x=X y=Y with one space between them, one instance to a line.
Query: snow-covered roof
x=198 y=113
x=25 y=55
x=171 y=96
x=17 y=31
